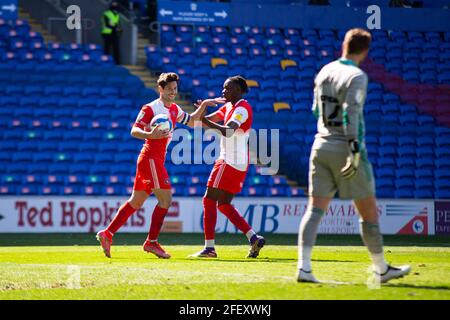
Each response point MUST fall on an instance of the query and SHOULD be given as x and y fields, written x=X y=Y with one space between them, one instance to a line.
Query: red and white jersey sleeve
x=144 y=117
x=234 y=150
x=239 y=115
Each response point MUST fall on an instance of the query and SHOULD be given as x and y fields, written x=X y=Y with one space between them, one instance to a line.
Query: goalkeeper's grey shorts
x=325 y=176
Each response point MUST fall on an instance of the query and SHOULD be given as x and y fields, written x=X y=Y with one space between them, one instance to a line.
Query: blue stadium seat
x=386 y=151
x=53 y=179
x=28 y=190
x=385 y=183
x=406 y=151
x=406 y=141
x=77 y=169
x=442 y=174
x=405 y=162
x=424 y=194
x=385 y=173
x=179 y=191
x=8 y=190
x=277 y=191
x=91 y=190
x=75 y=179
x=424 y=183
x=385 y=192
x=121 y=169
x=195 y=190
x=10 y=180
x=404 y=193
x=114 y=190
x=103 y=158
x=48 y=190
x=178 y=180
x=388 y=141
x=254 y=191
x=99 y=169
x=442 y=163
x=442 y=194
x=425 y=162
x=404 y=183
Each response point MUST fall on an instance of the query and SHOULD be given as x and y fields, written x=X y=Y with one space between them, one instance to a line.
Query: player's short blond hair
x=356 y=41
x=165 y=78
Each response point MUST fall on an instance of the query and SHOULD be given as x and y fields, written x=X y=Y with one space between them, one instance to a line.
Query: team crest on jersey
x=140 y=116
x=238 y=117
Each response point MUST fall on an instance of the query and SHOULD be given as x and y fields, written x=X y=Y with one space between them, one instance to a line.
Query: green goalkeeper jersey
x=339 y=93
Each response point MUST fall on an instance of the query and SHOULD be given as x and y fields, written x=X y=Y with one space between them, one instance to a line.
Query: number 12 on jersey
x=330 y=103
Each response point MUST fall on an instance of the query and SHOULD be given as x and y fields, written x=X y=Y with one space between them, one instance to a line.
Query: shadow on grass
x=405 y=285
x=87 y=239
x=280 y=260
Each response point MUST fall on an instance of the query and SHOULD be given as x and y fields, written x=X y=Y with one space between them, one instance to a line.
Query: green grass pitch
x=72 y=266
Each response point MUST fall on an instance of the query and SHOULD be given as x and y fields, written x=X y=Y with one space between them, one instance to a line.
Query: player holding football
x=151 y=175
x=339 y=161
x=230 y=169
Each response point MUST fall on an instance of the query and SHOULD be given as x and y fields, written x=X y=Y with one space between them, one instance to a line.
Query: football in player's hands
x=159 y=133
x=161 y=121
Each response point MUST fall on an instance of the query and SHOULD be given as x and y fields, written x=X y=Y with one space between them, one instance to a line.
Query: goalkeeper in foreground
x=338 y=160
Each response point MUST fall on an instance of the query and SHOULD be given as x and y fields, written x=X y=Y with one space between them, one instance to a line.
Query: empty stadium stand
x=407 y=109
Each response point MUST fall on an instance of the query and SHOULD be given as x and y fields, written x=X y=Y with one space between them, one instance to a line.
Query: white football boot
x=393 y=273
x=306 y=276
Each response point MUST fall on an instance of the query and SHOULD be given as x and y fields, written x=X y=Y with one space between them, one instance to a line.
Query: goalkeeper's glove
x=352 y=160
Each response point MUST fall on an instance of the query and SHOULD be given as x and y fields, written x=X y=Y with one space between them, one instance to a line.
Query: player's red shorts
x=151 y=174
x=227 y=178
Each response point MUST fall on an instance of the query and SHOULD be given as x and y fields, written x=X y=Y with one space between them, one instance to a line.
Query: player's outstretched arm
x=201 y=106
x=156 y=133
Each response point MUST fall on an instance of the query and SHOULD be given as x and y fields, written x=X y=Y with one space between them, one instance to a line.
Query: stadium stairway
x=36 y=26
x=142 y=44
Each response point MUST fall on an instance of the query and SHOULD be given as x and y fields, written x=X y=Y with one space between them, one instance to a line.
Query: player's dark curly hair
x=241 y=82
x=165 y=78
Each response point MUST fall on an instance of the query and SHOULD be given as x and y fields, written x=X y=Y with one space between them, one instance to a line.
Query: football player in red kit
x=151 y=175
x=230 y=169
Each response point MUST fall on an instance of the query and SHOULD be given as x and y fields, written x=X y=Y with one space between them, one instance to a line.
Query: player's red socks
x=122 y=215
x=209 y=217
x=157 y=222
x=234 y=216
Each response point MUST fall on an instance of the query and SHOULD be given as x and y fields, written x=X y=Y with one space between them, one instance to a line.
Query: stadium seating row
x=120 y=190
